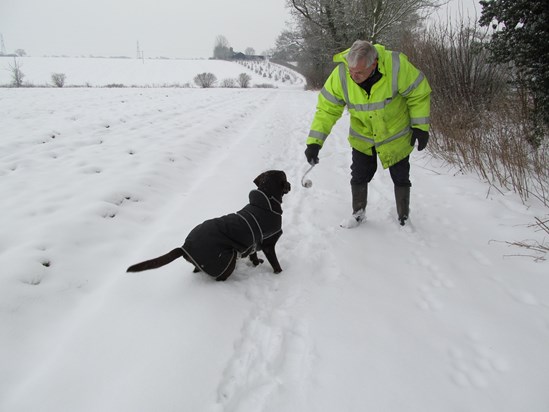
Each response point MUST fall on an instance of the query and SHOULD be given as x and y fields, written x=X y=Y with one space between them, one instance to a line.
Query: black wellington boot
x=359 y=195
x=360 y=199
x=402 y=198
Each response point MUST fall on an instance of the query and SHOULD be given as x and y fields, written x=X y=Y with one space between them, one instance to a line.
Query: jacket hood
x=341 y=57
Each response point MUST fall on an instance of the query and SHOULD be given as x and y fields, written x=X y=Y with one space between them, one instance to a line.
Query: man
x=389 y=104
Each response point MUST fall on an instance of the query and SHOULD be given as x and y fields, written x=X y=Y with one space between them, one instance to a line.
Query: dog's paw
x=277 y=271
x=256 y=262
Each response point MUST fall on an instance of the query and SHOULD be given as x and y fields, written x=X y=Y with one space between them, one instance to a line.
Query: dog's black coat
x=214 y=245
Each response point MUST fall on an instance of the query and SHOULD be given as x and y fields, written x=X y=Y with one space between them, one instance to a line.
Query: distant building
x=241 y=56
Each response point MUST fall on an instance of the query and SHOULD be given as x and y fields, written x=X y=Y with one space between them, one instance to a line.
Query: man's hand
x=422 y=138
x=311 y=153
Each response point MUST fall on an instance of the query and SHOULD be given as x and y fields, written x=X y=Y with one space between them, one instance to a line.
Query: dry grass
x=495 y=150
x=480 y=122
x=539 y=249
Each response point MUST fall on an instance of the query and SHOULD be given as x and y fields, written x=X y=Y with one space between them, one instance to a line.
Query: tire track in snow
x=273 y=358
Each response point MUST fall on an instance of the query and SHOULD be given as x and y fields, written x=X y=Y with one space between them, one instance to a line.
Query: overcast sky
x=171 y=28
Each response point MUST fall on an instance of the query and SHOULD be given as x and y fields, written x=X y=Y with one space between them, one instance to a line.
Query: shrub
x=264 y=86
x=244 y=80
x=228 y=83
x=205 y=80
x=58 y=79
x=478 y=122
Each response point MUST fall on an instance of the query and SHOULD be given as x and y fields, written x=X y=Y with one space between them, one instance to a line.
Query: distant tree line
x=223 y=51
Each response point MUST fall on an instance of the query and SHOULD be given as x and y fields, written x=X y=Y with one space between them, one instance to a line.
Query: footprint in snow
x=272 y=351
x=526 y=298
x=430 y=293
x=480 y=258
x=476 y=364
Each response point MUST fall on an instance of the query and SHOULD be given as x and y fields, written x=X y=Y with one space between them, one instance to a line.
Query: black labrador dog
x=214 y=245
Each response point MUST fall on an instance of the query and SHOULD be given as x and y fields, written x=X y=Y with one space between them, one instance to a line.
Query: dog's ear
x=273 y=183
x=261 y=180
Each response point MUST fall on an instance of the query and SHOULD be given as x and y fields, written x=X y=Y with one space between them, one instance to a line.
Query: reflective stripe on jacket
x=398 y=101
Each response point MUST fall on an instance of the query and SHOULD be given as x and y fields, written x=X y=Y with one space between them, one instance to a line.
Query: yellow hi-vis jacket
x=397 y=102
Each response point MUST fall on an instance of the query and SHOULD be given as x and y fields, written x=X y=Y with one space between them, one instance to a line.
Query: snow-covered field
x=436 y=316
x=99 y=72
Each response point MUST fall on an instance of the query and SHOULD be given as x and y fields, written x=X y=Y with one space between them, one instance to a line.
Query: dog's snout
x=287 y=187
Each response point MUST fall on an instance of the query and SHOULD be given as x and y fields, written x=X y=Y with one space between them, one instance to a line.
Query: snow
x=82 y=71
x=435 y=316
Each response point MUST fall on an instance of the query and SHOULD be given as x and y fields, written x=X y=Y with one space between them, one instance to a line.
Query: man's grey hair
x=361 y=50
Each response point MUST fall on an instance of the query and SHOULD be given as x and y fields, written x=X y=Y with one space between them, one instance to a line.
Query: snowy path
x=429 y=318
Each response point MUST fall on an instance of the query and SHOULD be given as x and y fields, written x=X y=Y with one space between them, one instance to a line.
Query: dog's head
x=273 y=183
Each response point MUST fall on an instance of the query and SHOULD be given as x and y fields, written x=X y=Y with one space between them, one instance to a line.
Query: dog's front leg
x=255 y=260
x=270 y=254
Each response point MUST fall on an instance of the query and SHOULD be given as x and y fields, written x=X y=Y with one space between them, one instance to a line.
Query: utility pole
x=2 y=45
x=140 y=54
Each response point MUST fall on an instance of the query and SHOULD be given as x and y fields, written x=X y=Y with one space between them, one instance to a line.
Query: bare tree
x=222 y=49
x=346 y=21
x=205 y=80
x=16 y=73
x=250 y=51
x=325 y=27
x=288 y=46
x=244 y=80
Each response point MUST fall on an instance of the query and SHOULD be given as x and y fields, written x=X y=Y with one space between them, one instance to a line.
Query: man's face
x=361 y=72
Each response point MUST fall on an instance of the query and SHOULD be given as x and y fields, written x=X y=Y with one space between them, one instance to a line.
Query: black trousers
x=364 y=167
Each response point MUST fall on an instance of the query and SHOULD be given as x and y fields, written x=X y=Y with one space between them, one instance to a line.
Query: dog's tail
x=157 y=262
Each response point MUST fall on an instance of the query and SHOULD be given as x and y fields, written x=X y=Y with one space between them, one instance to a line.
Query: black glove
x=311 y=152
x=421 y=136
